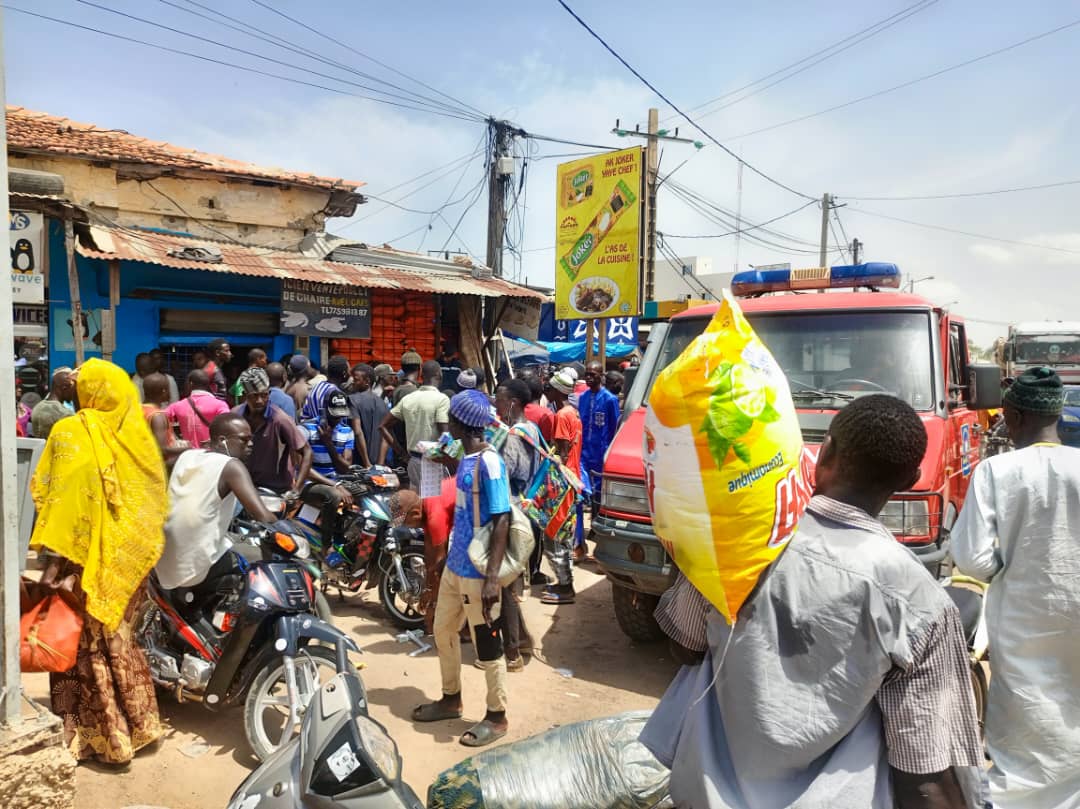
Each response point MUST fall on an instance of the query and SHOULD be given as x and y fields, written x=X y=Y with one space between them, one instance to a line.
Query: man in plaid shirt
x=844 y=681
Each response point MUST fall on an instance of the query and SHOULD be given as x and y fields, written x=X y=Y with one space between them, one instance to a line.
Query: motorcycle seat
x=969 y=603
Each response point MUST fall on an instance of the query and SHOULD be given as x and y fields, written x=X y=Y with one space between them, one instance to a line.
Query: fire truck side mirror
x=984 y=386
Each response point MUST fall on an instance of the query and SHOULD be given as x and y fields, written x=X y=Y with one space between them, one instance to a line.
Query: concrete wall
x=203 y=206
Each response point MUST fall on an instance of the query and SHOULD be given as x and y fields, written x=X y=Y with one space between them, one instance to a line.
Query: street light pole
x=914 y=281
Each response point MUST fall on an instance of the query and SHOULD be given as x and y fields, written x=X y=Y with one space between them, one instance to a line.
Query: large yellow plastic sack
x=723 y=460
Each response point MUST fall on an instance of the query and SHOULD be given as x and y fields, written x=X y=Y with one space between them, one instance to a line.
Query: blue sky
x=1007 y=121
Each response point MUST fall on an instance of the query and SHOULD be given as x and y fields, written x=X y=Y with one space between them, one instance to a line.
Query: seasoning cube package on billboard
x=723 y=458
x=598 y=236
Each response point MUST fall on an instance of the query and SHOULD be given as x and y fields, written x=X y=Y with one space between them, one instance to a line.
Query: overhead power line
x=741 y=229
x=675 y=107
x=372 y=59
x=982 y=236
x=814 y=59
x=223 y=63
x=254 y=54
x=964 y=195
x=902 y=85
x=270 y=38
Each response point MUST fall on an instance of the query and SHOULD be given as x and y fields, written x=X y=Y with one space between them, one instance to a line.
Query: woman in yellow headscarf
x=101 y=503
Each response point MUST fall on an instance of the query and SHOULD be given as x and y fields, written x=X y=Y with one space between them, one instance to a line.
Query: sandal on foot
x=434 y=712
x=554 y=597
x=481 y=734
x=517 y=664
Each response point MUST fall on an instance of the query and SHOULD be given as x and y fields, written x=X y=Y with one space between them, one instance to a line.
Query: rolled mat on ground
x=611 y=770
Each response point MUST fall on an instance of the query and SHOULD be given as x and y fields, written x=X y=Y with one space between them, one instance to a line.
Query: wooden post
x=603 y=343
x=108 y=326
x=73 y=285
x=588 y=339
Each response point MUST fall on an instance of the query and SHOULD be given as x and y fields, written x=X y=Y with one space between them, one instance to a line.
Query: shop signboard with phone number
x=598 y=236
x=325 y=310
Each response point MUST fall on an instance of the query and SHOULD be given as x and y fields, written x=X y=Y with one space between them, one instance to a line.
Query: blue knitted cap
x=471 y=408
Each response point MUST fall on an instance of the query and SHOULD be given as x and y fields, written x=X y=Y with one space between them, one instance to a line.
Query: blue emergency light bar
x=873 y=274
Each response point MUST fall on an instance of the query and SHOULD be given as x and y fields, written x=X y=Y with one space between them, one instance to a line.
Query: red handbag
x=49 y=628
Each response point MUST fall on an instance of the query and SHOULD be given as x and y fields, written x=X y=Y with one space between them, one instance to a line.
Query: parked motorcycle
x=342 y=758
x=969 y=600
x=252 y=640
x=368 y=550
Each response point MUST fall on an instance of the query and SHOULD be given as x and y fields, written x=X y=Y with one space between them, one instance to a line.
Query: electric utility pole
x=856 y=249
x=826 y=209
x=499 y=173
x=653 y=135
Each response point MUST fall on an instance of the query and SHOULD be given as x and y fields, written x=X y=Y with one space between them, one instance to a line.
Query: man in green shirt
x=53 y=408
x=426 y=415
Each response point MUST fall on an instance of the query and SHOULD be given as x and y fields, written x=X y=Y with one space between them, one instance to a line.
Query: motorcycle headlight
x=386 y=480
x=380 y=748
x=376 y=508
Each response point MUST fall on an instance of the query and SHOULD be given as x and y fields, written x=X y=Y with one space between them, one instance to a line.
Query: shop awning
x=185 y=253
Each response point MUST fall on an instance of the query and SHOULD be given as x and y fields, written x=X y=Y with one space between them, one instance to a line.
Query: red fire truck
x=833 y=348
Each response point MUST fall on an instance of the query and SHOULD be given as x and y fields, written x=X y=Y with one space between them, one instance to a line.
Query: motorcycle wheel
x=404 y=607
x=266 y=708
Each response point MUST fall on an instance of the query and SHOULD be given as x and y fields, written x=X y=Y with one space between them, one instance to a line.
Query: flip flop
x=434 y=712
x=549 y=597
x=481 y=734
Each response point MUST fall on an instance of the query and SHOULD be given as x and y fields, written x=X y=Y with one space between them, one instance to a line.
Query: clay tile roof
x=40 y=132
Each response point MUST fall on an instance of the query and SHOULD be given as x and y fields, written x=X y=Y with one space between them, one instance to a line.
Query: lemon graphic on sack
x=740 y=397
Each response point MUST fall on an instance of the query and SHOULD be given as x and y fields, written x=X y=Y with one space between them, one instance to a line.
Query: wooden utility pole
x=856 y=250
x=73 y=285
x=498 y=180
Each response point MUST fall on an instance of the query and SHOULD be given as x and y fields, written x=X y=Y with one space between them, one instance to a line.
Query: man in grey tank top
x=844 y=681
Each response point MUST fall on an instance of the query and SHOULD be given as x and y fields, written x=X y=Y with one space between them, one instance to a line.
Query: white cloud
x=991 y=252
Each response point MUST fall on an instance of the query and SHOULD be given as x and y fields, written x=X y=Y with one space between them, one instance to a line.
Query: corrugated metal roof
x=127 y=244
x=40 y=132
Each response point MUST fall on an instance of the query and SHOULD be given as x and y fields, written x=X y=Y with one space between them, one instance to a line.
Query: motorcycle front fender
x=289 y=629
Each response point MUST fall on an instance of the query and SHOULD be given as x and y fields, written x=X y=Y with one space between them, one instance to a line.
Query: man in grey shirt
x=844 y=681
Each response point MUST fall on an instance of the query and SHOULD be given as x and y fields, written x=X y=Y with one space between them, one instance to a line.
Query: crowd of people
x=198 y=448
x=846 y=678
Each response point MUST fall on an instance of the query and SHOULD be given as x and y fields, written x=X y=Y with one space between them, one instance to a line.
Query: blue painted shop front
x=179 y=311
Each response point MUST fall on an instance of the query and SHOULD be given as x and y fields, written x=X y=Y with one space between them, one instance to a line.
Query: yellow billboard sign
x=598 y=233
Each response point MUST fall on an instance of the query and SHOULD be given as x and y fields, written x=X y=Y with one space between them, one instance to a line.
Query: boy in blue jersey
x=465 y=593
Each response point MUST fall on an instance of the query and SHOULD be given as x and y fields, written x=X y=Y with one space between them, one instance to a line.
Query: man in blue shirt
x=466 y=594
x=599 y=411
x=331 y=440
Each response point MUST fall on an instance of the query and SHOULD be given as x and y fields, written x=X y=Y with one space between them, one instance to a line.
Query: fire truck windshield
x=832 y=357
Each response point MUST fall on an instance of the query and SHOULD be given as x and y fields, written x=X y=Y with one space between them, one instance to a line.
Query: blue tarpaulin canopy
x=569 y=352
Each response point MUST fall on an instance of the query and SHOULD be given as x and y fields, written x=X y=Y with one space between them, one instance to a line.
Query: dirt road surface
x=609 y=674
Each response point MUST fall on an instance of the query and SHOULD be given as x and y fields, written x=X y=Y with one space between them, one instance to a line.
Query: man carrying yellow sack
x=843 y=679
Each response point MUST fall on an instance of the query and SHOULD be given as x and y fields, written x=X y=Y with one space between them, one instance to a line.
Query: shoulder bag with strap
x=197 y=412
x=550 y=499
x=519 y=544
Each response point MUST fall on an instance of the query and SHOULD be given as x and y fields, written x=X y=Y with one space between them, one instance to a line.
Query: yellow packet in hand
x=723 y=460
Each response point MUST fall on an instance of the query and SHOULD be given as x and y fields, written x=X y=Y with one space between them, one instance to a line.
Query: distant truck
x=833 y=348
x=1052 y=343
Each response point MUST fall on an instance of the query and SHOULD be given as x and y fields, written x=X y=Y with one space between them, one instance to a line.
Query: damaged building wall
x=211 y=207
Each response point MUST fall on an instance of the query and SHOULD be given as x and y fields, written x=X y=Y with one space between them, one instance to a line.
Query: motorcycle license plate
x=310 y=515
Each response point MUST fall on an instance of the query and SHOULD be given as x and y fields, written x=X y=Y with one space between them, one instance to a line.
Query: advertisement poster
x=64 y=335
x=325 y=310
x=598 y=233
x=27 y=257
